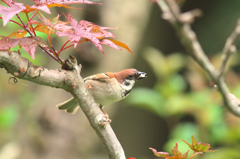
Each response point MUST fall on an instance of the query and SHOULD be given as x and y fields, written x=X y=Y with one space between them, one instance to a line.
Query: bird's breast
x=107 y=92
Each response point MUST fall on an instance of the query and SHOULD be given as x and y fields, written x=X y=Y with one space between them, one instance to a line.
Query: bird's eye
x=130 y=76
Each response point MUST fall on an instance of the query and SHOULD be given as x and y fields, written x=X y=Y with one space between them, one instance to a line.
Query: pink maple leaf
x=63 y=2
x=88 y=30
x=109 y=43
x=9 y=12
x=42 y=7
x=61 y=27
x=6 y=43
x=29 y=45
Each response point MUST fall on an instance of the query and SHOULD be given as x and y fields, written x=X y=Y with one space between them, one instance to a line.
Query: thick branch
x=171 y=12
x=72 y=82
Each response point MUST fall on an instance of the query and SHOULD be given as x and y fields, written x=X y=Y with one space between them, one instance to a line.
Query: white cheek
x=128 y=87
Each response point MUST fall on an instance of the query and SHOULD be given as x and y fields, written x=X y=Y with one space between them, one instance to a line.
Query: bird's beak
x=141 y=75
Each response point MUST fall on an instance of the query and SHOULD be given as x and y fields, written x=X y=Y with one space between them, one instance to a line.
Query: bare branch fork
x=181 y=23
x=72 y=82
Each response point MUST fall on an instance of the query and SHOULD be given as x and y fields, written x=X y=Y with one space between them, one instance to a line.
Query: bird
x=106 y=88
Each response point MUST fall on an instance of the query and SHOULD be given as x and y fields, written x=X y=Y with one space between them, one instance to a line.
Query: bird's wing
x=100 y=77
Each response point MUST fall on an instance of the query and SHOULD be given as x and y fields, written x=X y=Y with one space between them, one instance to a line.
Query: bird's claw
x=104 y=120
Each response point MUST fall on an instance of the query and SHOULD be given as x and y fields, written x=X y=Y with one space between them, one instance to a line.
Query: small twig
x=174 y=9
x=54 y=51
x=50 y=54
x=229 y=48
x=33 y=16
x=15 y=22
x=24 y=26
x=63 y=47
x=72 y=45
x=56 y=54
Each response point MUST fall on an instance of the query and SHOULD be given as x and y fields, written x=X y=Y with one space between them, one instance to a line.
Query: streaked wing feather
x=100 y=77
x=73 y=109
x=69 y=103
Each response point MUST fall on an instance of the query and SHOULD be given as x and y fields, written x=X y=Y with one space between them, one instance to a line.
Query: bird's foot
x=104 y=120
x=106 y=117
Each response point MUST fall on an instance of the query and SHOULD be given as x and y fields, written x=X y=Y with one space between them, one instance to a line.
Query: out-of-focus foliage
x=8 y=117
x=184 y=96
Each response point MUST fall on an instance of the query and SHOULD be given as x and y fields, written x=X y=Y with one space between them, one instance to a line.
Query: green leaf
x=147 y=99
x=198 y=147
x=173 y=85
x=163 y=66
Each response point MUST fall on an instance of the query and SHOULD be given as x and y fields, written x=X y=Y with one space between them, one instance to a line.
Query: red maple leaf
x=88 y=30
x=8 y=12
x=176 y=153
x=6 y=43
x=29 y=44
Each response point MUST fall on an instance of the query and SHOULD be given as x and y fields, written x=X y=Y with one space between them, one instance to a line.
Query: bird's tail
x=70 y=106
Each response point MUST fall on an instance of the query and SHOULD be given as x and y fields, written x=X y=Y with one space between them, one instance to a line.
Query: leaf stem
x=15 y=22
x=50 y=54
x=63 y=47
x=30 y=24
x=24 y=26
x=33 y=15
x=5 y=3
x=49 y=39
x=73 y=44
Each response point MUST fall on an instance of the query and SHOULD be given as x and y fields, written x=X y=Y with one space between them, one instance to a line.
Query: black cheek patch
x=126 y=83
x=127 y=92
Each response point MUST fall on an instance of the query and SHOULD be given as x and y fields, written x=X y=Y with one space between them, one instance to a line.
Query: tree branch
x=171 y=12
x=229 y=48
x=72 y=82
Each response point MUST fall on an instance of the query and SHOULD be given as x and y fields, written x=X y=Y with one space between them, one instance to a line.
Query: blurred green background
x=175 y=101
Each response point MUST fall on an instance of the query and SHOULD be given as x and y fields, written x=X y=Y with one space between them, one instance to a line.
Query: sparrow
x=106 y=88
